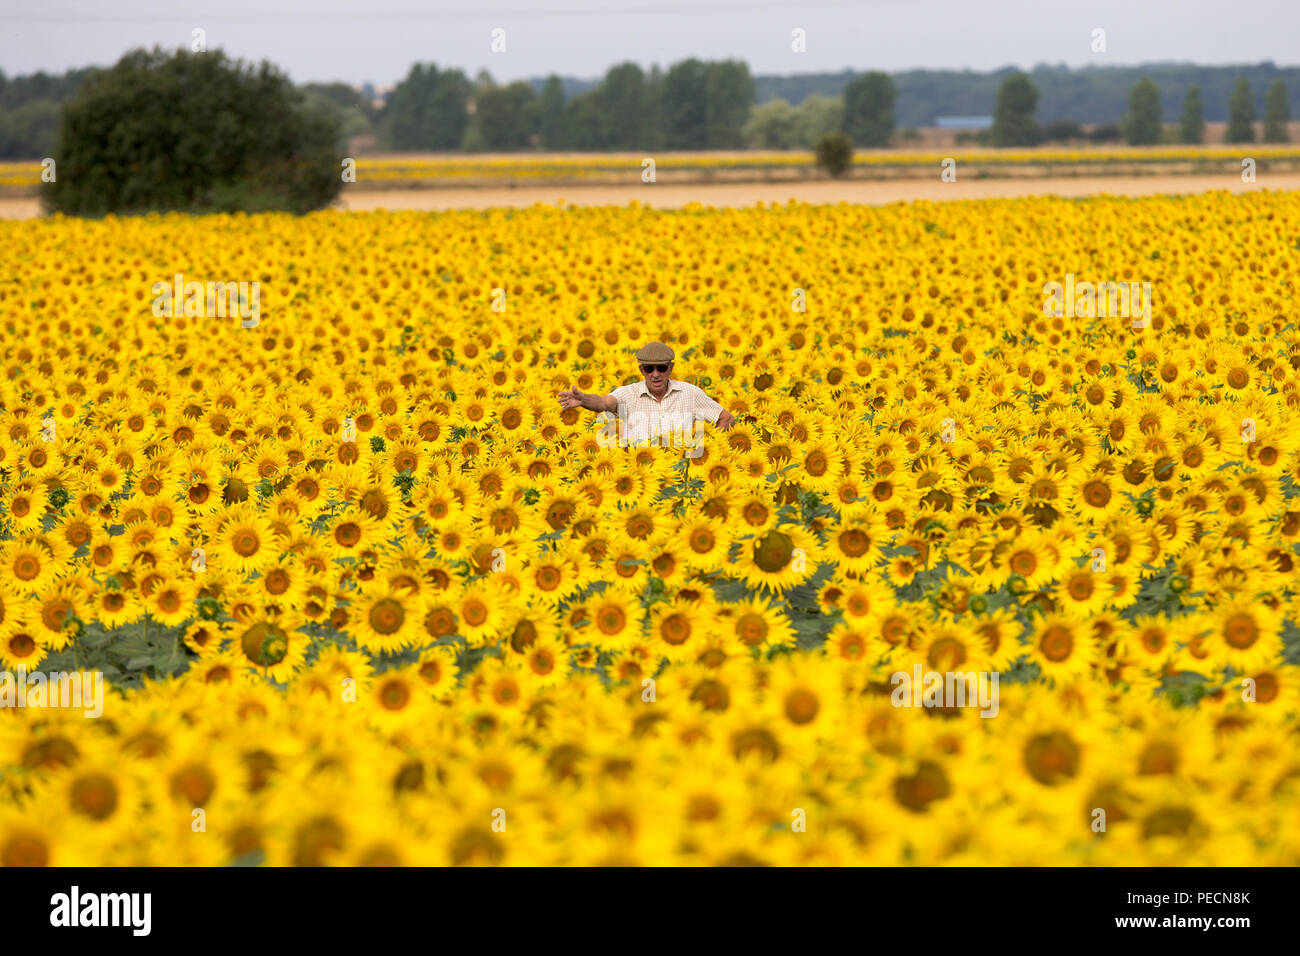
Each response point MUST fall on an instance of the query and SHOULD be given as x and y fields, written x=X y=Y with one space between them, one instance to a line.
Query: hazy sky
x=318 y=40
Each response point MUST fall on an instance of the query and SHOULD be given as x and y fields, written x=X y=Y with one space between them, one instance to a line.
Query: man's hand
x=571 y=399
x=725 y=420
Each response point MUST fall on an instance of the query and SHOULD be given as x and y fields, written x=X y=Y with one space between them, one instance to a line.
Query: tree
x=1191 y=128
x=1241 y=114
x=834 y=153
x=622 y=99
x=429 y=110
x=728 y=96
x=771 y=125
x=869 y=109
x=1013 y=114
x=194 y=132
x=550 y=113
x=685 y=96
x=506 y=117
x=815 y=117
x=1142 y=125
x=29 y=131
x=1277 y=113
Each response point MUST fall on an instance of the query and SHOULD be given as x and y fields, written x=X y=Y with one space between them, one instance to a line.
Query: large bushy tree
x=869 y=109
x=1241 y=114
x=1277 y=113
x=1142 y=125
x=1191 y=127
x=194 y=132
x=428 y=110
x=1013 y=114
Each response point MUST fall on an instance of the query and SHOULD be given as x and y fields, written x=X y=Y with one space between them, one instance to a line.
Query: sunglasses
x=656 y=368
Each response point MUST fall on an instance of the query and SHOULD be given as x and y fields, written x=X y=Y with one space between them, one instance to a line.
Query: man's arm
x=594 y=403
x=708 y=410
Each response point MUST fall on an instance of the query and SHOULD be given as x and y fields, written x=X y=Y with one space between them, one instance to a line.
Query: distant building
x=964 y=122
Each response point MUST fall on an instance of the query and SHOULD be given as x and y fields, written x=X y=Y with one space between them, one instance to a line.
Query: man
x=658 y=406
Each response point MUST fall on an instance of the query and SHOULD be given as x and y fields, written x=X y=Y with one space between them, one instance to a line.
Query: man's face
x=656 y=375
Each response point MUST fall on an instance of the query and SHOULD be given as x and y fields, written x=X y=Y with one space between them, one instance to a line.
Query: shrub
x=193 y=132
x=834 y=153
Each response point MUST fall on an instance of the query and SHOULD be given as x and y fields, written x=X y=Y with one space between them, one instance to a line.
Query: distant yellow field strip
x=533 y=166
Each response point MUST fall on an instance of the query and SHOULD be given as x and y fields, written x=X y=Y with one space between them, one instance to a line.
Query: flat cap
x=654 y=352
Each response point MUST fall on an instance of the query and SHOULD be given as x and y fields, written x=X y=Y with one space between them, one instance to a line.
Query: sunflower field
x=361 y=593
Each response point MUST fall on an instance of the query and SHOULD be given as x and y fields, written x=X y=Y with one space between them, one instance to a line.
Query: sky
x=378 y=40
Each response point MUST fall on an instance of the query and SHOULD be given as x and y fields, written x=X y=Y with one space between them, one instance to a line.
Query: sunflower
x=115 y=607
x=544 y=666
x=354 y=531
x=779 y=559
x=676 y=629
x=386 y=620
x=1082 y=591
x=848 y=643
x=272 y=644
x=481 y=612
x=804 y=693
x=205 y=638
x=396 y=699
x=855 y=546
x=757 y=512
x=1060 y=646
x=1031 y=555
x=705 y=542
x=436 y=671
x=27 y=563
x=23 y=647
x=1245 y=634
x=242 y=540
x=617 y=618
x=550 y=578
x=757 y=623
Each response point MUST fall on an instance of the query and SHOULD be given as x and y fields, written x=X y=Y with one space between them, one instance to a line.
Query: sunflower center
x=946 y=654
x=394 y=695
x=773 y=551
x=474 y=612
x=193 y=783
x=1051 y=758
x=755 y=740
x=751 y=629
x=918 y=791
x=1096 y=493
x=801 y=706
x=95 y=796
x=1157 y=759
x=711 y=695
x=387 y=616
x=1240 y=631
x=26 y=567
x=1057 y=644
x=25 y=850
x=1023 y=563
x=675 y=629
x=1081 y=587
x=245 y=543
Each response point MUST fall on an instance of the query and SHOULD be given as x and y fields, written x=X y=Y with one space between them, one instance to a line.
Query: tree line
x=697 y=104
x=1014 y=122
